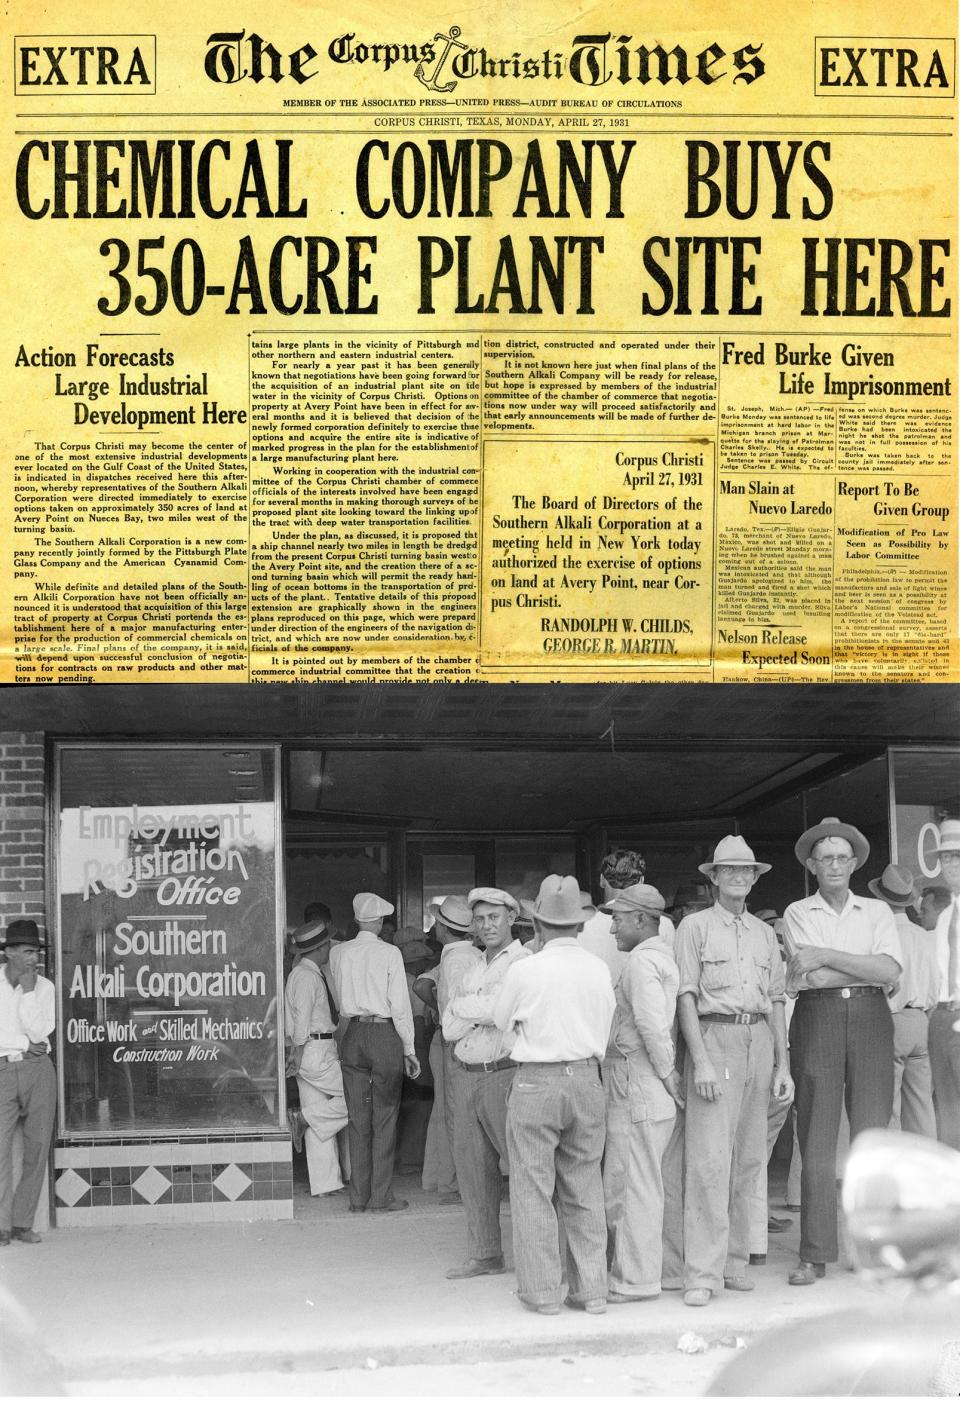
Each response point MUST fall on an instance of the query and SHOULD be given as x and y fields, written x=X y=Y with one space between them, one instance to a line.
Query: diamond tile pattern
x=71 y=1187
x=151 y=1185
x=232 y=1182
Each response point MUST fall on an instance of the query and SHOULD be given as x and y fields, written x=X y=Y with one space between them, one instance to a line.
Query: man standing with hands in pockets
x=732 y=1019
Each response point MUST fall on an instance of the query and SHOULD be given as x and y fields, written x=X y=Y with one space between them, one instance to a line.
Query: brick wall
x=22 y=827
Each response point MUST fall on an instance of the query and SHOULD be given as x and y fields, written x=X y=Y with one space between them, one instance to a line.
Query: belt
x=953 y=1006
x=488 y=1065
x=735 y=1018
x=320 y=1036
x=368 y=1018
x=560 y=1067
x=859 y=991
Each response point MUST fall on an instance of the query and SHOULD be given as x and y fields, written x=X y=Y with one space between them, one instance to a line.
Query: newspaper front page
x=529 y=343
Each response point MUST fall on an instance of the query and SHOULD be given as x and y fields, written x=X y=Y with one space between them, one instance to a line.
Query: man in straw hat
x=370 y=986
x=643 y=1091
x=731 y=1016
x=480 y=1077
x=28 y=1083
x=945 y=1017
x=911 y=1000
x=311 y=1021
x=453 y=929
x=844 y=953
x=560 y=1005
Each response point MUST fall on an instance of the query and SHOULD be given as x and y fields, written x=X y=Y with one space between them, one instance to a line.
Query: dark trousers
x=28 y=1091
x=371 y=1058
x=944 y=1046
x=841 y=1052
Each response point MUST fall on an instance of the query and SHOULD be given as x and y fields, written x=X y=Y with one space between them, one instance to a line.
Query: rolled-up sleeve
x=38 y=1011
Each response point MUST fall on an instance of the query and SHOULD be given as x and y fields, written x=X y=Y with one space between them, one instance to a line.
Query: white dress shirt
x=455 y=958
x=306 y=1003
x=468 y=1018
x=560 y=1002
x=369 y=981
x=25 y=1016
x=942 y=935
x=864 y=926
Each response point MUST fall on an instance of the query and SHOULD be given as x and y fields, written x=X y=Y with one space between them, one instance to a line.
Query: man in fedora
x=370 y=987
x=28 y=1084
x=911 y=1000
x=732 y=1019
x=689 y=897
x=944 y=1036
x=844 y=952
x=643 y=1091
x=311 y=1021
x=453 y=929
x=480 y=1077
x=559 y=1004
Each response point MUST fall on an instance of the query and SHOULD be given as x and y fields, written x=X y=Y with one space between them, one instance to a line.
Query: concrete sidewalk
x=332 y=1290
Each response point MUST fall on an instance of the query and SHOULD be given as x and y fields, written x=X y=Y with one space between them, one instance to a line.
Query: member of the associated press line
x=28 y=1083
x=732 y=1019
x=370 y=987
x=945 y=1017
x=559 y=1003
x=481 y=1075
x=844 y=953
x=311 y=1022
x=643 y=1091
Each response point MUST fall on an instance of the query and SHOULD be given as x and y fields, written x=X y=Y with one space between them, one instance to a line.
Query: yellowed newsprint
x=529 y=342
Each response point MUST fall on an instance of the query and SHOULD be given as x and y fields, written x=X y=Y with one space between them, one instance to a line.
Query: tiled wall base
x=146 y=1183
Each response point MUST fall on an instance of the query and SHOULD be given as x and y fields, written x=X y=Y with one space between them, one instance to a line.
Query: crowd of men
x=628 y=1073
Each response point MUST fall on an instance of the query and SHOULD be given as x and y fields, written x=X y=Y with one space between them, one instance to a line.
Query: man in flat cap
x=944 y=1036
x=911 y=1001
x=844 y=952
x=370 y=987
x=28 y=1084
x=559 y=1004
x=481 y=1076
x=731 y=1016
x=311 y=1022
x=453 y=928
x=643 y=1091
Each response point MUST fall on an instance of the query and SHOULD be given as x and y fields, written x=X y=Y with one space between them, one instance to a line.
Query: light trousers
x=324 y=1107
x=28 y=1091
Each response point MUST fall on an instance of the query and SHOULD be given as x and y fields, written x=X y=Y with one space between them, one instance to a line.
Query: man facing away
x=731 y=1016
x=370 y=986
x=844 y=953
x=311 y=1023
x=453 y=929
x=911 y=1000
x=643 y=1091
x=560 y=1004
x=481 y=1075
x=944 y=1036
x=28 y=1084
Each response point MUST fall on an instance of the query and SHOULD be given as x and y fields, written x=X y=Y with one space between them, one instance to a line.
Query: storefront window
x=167 y=937
x=925 y=789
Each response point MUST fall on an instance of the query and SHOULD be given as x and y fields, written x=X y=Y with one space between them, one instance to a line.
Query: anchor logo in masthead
x=450 y=41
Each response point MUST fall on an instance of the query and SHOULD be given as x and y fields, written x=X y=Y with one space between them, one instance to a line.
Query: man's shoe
x=492 y=1265
x=777 y=1224
x=298 y=1127
x=25 y=1234
x=396 y=1204
x=538 y=1308
x=696 y=1298
x=586 y=1305
x=449 y=1199
x=757 y=1260
x=807 y=1272
x=738 y=1282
